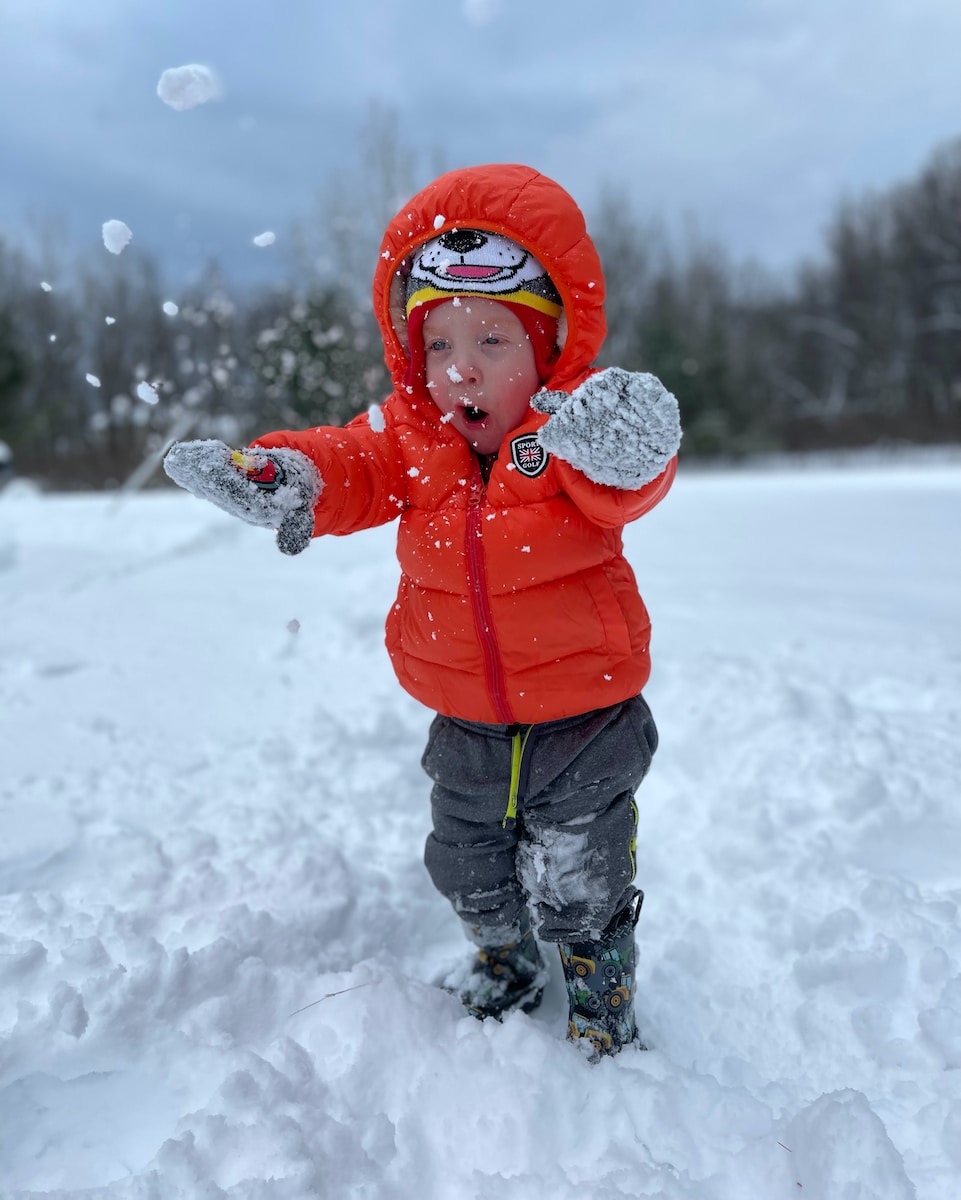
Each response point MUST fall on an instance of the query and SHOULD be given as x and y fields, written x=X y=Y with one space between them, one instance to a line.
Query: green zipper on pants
x=518 y=743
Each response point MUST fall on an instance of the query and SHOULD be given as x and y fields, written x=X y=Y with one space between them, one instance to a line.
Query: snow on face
x=116 y=236
x=480 y=369
x=185 y=87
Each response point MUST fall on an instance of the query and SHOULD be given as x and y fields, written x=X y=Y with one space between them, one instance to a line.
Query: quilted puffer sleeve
x=362 y=469
x=612 y=506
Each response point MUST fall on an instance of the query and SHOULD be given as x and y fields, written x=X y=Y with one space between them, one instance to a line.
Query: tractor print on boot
x=505 y=977
x=600 y=984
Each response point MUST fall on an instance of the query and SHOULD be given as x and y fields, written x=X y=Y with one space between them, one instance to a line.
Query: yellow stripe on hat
x=520 y=296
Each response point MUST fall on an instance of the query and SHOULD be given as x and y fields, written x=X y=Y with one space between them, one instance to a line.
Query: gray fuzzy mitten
x=275 y=489
x=618 y=427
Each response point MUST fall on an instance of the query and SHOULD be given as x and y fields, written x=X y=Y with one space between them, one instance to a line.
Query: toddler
x=512 y=465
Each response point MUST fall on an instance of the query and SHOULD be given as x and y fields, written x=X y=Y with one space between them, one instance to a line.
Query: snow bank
x=219 y=946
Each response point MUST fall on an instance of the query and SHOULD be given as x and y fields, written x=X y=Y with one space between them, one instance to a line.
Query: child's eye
x=437 y=344
x=492 y=340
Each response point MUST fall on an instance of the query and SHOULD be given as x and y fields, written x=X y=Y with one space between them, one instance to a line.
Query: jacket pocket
x=642 y=721
x=613 y=619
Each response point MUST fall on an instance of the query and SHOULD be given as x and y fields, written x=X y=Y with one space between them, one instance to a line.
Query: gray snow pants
x=569 y=853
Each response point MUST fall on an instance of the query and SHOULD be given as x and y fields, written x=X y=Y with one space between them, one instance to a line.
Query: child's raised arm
x=618 y=427
x=275 y=490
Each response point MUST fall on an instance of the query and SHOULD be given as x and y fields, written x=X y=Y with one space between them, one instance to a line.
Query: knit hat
x=474 y=262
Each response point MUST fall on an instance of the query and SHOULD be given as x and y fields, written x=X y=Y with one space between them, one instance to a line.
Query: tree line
x=857 y=348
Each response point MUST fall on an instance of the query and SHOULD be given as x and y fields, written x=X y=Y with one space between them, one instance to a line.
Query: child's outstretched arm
x=619 y=428
x=275 y=489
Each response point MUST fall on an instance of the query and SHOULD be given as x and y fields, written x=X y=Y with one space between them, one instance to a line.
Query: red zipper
x=480 y=603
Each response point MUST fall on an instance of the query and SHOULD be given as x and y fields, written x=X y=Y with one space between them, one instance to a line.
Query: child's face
x=480 y=368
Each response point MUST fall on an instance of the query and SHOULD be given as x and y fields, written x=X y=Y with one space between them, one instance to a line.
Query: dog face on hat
x=472 y=261
x=481 y=262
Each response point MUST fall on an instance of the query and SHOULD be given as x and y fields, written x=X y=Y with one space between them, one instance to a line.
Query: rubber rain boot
x=506 y=977
x=600 y=985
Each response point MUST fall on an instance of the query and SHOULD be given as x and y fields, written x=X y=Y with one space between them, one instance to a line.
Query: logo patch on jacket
x=528 y=455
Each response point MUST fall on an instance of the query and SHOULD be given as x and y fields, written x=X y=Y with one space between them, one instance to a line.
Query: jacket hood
x=524 y=205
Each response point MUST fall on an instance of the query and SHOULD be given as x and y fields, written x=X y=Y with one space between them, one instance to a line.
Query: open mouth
x=474 y=414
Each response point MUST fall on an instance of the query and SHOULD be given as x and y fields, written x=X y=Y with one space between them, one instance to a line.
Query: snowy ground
x=211 y=820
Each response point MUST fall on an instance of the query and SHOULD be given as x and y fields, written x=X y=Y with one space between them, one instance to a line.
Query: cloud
x=753 y=117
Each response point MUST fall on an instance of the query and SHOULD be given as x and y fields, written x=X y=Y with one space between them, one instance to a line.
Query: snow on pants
x=569 y=854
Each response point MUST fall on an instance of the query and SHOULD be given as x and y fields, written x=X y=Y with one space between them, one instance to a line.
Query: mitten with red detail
x=618 y=427
x=275 y=489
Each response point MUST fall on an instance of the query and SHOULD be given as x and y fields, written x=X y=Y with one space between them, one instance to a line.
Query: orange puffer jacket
x=516 y=603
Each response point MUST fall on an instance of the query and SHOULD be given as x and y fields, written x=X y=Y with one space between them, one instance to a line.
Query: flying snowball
x=170 y=308
x=116 y=235
x=47 y=287
x=92 y=380
x=147 y=392
x=186 y=87
x=265 y=239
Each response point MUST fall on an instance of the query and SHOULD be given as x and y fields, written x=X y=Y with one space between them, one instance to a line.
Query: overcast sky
x=750 y=118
